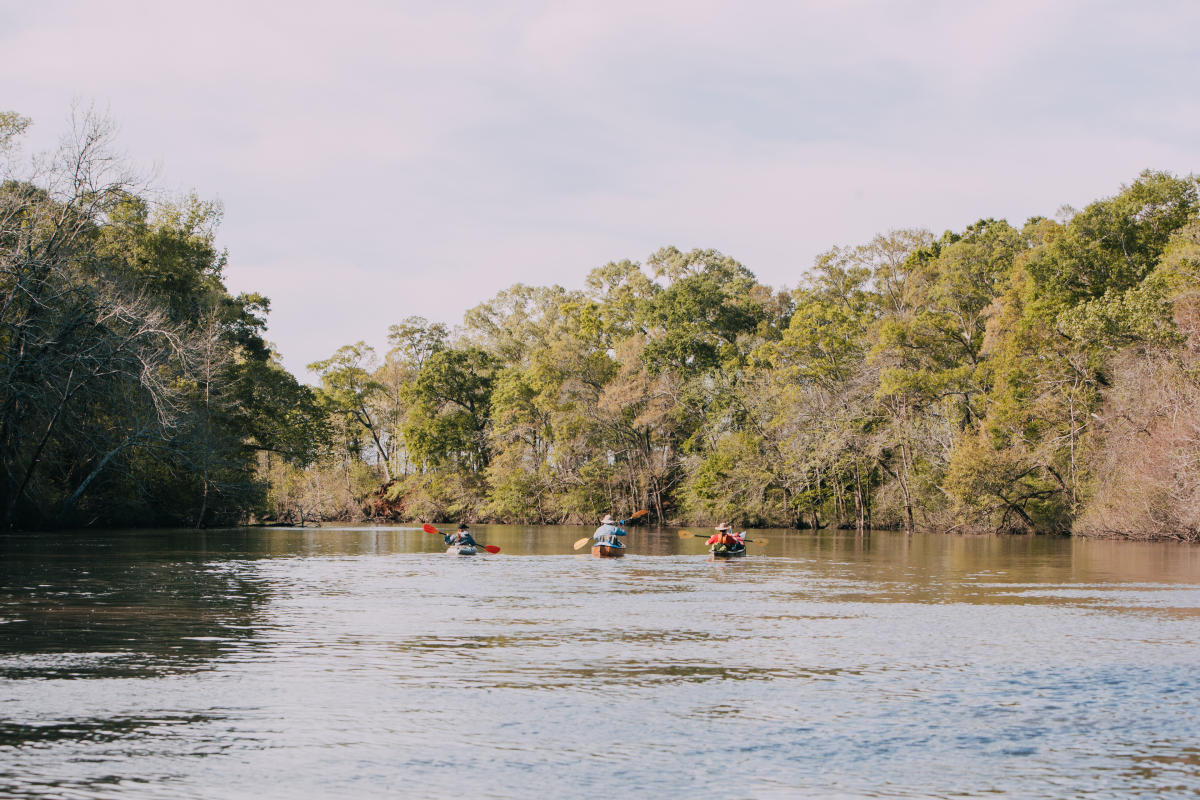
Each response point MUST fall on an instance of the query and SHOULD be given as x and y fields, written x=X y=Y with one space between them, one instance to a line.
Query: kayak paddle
x=490 y=548
x=688 y=534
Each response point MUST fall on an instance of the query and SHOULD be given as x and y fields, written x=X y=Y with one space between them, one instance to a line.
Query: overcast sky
x=383 y=159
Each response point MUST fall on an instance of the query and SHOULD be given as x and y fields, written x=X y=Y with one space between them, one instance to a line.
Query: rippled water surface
x=363 y=662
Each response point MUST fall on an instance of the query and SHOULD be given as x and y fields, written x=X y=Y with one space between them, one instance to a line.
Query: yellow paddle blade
x=582 y=542
x=684 y=534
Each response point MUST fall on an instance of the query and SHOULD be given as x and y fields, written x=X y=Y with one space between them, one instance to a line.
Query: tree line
x=1037 y=378
x=134 y=389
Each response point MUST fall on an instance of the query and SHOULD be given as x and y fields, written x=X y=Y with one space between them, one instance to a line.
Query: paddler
x=725 y=540
x=608 y=531
x=461 y=537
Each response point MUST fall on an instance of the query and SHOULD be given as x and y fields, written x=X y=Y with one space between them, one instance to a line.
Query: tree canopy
x=952 y=382
x=136 y=389
x=1039 y=377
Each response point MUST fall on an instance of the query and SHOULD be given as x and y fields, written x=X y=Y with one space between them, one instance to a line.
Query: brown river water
x=364 y=662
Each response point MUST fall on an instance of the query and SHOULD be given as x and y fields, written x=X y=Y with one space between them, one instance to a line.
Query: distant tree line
x=1043 y=378
x=134 y=389
x=1037 y=378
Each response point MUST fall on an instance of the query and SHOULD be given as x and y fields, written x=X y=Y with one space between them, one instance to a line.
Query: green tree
x=451 y=399
x=349 y=389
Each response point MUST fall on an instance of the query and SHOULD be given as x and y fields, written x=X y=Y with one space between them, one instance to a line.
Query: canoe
x=728 y=553
x=461 y=550
x=608 y=550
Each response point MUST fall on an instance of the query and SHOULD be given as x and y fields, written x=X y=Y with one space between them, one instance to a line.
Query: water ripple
x=300 y=665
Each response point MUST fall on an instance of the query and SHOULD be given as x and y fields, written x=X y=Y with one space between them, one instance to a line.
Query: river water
x=363 y=662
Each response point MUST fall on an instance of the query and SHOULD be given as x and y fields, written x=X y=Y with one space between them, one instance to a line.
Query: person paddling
x=606 y=535
x=725 y=540
x=461 y=537
x=608 y=531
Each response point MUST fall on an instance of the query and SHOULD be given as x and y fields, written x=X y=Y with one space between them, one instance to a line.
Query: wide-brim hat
x=608 y=520
x=724 y=526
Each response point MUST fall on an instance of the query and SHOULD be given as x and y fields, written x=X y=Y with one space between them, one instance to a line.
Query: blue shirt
x=461 y=537
x=607 y=534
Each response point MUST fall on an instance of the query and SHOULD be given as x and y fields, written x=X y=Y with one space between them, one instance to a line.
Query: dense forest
x=1039 y=378
x=134 y=389
x=1036 y=378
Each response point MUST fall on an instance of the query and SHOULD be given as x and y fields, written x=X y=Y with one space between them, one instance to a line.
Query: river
x=363 y=662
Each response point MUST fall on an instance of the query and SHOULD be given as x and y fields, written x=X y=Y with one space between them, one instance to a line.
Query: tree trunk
x=10 y=509
x=79 y=490
x=860 y=509
x=905 y=471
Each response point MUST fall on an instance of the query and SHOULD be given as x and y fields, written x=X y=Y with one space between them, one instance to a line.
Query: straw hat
x=608 y=520
x=724 y=526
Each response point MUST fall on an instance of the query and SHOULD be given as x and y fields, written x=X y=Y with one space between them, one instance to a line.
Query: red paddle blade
x=429 y=528
x=491 y=548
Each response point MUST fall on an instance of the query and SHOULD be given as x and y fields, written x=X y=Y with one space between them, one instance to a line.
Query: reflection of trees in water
x=102 y=730
x=151 y=603
x=123 y=605
x=106 y=755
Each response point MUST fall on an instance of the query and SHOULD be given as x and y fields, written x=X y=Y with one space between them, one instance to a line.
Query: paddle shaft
x=686 y=534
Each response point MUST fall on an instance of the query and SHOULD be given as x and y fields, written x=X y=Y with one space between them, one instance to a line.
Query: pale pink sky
x=382 y=159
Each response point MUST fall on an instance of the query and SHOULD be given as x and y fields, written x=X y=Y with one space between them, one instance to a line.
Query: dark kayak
x=726 y=553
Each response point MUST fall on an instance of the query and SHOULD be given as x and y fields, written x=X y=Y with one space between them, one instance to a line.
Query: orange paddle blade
x=429 y=528
x=684 y=534
x=641 y=513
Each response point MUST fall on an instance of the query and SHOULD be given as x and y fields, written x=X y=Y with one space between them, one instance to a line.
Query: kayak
x=461 y=550
x=608 y=550
x=727 y=553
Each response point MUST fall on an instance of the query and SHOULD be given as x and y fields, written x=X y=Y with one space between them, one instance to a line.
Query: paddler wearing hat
x=726 y=538
x=608 y=531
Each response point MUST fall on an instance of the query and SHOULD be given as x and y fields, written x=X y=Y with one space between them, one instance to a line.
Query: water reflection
x=361 y=661
x=117 y=606
x=101 y=730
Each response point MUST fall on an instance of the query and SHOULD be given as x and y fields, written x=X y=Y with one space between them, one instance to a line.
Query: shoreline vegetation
x=1032 y=378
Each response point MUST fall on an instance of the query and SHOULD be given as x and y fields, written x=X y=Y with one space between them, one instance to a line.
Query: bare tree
x=78 y=344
